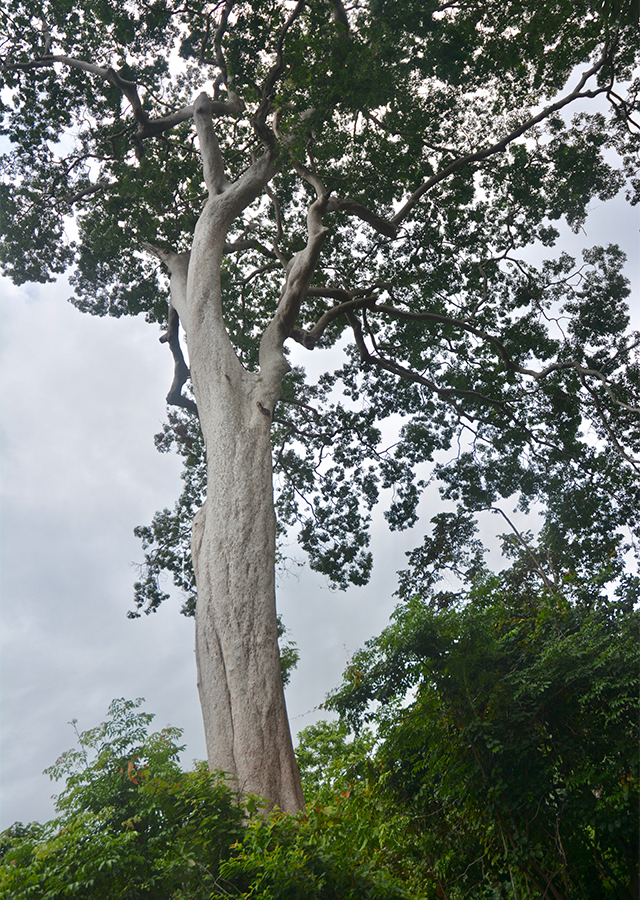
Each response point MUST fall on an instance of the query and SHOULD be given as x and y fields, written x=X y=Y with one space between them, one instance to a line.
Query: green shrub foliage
x=132 y=825
x=506 y=719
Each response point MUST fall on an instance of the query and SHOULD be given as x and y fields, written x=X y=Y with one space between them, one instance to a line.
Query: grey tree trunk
x=233 y=545
x=233 y=541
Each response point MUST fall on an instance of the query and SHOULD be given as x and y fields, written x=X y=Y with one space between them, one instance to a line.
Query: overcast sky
x=81 y=400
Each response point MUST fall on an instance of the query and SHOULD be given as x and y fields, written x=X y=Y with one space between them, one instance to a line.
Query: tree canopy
x=444 y=143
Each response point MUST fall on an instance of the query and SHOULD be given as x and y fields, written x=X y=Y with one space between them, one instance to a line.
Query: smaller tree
x=507 y=720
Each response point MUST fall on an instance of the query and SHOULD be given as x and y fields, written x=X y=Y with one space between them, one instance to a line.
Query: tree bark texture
x=233 y=545
x=233 y=541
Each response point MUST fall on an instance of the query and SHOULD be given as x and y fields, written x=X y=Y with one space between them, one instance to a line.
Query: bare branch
x=178 y=265
x=279 y=231
x=249 y=244
x=180 y=370
x=309 y=338
x=260 y=118
x=217 y=41
x=548 y=584
x=356 y=327
x=298 y=277
x=90 y=189
x=352 y=207
x=212 y=162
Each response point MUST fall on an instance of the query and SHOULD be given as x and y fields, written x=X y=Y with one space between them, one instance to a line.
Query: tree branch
x=87 y=191
x=212 y=162
x=147 y=127
x=353 y=208
x=297 y=279
x=501 y=145
x=178 y=265
x=509 y=364
x=217 y=41
x=181 y=370
x=259 y=121
x=548 y=584
x=309 y=338
x=249 y=244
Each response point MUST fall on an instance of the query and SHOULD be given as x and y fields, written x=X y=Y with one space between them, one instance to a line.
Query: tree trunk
x=233 y=545
x=233 y=541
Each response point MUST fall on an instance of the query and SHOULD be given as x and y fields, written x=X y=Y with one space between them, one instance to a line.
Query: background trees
x=433 y=142
x=507 y=743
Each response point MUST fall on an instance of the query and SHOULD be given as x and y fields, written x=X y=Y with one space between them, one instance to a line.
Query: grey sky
x=81 y=401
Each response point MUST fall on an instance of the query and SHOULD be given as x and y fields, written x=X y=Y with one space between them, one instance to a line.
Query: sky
x=81 y=400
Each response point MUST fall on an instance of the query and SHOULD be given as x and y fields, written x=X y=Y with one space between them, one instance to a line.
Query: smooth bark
x=233 y=542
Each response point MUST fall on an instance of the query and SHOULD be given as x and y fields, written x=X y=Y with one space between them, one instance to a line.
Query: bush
x=133 y=825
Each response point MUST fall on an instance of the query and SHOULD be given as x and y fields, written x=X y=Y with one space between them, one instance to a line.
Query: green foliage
x=133 y=825
x=529 y=369
x=320 y=856
x=507 y=734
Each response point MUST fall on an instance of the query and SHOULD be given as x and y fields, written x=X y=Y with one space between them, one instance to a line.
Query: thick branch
x=89 y=190
x=249 y=244
x=180 y=370
x=298 y=278
x=310 y=337
x=178 y=265
x=353 y=208
x=217 y=41
x=212 y=162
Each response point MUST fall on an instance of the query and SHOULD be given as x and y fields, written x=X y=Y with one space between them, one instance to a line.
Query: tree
x=507 y=732
x=379 y=171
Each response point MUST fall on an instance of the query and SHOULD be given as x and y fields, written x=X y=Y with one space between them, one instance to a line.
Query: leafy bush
x=507 y=755
x=133 y=825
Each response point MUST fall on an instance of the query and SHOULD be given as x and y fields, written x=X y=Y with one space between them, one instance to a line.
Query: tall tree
x=305 y=171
